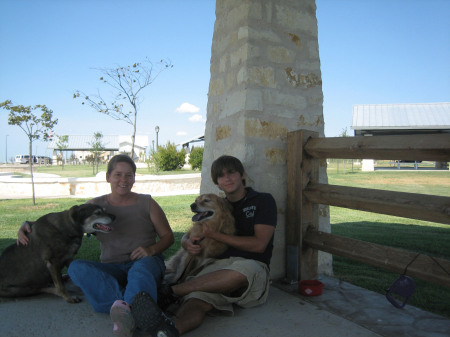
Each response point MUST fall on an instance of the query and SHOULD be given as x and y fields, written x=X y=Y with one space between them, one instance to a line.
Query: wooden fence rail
x=304 y=193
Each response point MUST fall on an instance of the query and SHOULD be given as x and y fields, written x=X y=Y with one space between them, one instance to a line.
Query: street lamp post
x=6 y=150
x=157 y=130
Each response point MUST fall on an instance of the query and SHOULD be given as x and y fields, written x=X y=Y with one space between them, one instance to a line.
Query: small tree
x=196 y=158
x=34 y=126
x=97 y=147
x=168 y=158
x=344 y=133
x=127 y=83
x=62 y=143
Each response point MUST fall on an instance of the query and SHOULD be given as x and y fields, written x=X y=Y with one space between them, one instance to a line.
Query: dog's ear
x=73 y=214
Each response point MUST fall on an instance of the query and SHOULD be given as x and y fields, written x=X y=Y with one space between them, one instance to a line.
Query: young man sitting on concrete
x=240 y=276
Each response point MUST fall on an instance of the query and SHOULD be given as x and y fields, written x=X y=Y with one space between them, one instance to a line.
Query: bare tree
x=34 y=126
x=128 y=83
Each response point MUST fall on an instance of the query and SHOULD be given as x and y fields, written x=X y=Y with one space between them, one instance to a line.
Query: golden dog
x=214 y=211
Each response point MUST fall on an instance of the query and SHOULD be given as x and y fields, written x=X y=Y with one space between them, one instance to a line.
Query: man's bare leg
x=191 y=314
x=220 y=281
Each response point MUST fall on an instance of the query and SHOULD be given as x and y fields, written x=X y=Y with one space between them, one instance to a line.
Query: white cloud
x=187 y=107
x=181 y=133
x=196 y=118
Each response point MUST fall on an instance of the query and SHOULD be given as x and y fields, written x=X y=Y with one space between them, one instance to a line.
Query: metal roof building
x=111 y=143
x=81 y=145
x=389 y=119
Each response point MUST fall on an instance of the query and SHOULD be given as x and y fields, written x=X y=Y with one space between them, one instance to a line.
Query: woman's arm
x=162 y=227
x=22 y=238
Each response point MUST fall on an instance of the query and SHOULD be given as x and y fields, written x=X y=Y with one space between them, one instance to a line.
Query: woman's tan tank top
x=131 y=228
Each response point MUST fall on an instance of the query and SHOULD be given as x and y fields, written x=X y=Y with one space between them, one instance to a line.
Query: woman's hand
x=141 y=252
x=22 y=238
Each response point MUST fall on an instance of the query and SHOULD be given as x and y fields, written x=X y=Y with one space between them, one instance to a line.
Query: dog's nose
x=193 y=205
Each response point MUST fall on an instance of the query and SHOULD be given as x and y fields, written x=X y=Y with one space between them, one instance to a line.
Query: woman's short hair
x=227 y=163
x=119 y=159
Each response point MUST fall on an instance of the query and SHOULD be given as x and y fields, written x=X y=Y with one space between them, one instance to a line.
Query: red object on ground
x=310 y=287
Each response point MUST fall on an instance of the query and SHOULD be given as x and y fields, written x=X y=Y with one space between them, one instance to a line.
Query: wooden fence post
x=301 y=261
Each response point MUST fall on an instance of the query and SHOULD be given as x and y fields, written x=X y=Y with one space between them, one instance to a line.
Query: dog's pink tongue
x=199 y=216
x=103 y=228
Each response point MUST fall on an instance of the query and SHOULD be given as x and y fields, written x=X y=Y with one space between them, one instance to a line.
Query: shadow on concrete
x=342 y=310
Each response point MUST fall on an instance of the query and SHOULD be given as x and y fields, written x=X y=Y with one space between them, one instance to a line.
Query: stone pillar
x=265 y=82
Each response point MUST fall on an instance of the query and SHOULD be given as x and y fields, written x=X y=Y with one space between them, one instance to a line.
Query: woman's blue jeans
x=104 y=283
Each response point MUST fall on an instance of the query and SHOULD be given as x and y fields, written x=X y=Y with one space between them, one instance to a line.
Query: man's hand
x=22 y=238
x=192 y=245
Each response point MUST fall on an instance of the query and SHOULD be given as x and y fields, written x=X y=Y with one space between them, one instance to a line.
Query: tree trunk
x=30 y=162
x=133 y=137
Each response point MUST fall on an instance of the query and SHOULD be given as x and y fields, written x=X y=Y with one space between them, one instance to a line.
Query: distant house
x=80 y=146
x=187 y=144
x=396 y=119
x=400 y=119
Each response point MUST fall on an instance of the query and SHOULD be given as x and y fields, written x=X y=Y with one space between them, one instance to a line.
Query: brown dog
x=54 y=240
x=214 y=211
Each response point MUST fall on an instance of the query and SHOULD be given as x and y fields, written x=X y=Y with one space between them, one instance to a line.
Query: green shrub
x=196 y=158
x=168 y=158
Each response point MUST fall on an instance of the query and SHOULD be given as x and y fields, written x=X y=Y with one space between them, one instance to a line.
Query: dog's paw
x=73 y=299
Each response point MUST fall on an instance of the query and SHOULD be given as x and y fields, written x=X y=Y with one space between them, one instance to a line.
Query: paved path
x=282 y=315
x=342 y=310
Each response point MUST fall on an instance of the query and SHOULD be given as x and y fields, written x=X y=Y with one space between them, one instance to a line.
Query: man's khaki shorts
x=258 y=277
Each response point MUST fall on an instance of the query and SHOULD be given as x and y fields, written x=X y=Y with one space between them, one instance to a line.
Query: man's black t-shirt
x=255 y=208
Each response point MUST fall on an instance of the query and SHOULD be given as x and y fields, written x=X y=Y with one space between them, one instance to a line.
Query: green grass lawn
x=424 y=182
x=419 y=236
x=409 y=234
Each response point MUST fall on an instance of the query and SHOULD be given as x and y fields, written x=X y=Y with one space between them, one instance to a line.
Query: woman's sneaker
x=122 y=318
x=149 y=318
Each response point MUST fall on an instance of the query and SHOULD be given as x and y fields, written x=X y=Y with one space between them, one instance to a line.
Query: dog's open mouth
x=200 y=216
x=102 y=227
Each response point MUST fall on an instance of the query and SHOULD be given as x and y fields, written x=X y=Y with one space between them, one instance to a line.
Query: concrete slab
x=342 y=310
x=48 y=186
x=283 y=315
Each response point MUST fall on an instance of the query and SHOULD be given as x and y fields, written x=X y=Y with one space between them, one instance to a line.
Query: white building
x=80 y=147
x=400 y=119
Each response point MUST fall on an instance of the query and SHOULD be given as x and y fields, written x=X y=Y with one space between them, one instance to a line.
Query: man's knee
x=240 y=279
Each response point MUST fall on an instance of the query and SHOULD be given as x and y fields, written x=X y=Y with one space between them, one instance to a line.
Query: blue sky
x=372 y=51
